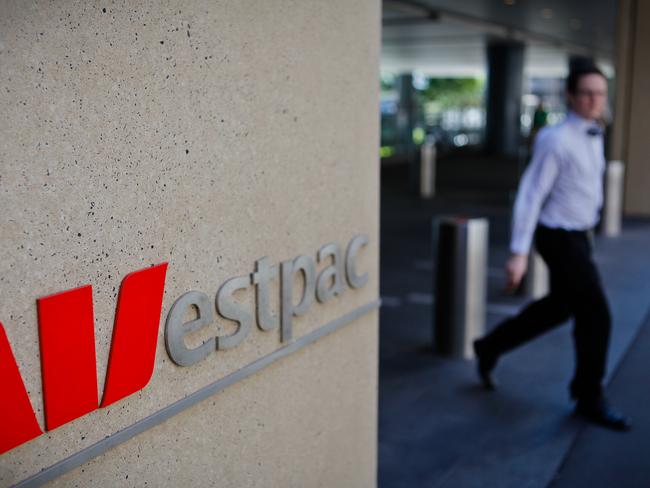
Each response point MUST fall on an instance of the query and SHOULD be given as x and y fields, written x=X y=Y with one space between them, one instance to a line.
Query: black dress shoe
x=599 y=412
x=485 y=363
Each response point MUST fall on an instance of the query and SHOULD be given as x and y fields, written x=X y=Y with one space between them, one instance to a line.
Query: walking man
x=558 y=203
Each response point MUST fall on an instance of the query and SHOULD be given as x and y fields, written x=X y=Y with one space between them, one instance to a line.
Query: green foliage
x=386 y=151
x=387 y=82
x=454 y=92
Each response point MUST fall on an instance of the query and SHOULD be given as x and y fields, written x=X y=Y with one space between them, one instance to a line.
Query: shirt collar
x=581 y=123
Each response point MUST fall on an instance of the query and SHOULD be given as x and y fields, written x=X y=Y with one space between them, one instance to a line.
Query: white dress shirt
x=562 y=185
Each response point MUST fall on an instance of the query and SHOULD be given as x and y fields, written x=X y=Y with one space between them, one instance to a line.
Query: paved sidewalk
x=437 y=427
x=599 y=458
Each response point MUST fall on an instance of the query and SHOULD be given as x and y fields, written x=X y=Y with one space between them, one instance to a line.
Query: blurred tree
x=387 y=82
x=455 y=93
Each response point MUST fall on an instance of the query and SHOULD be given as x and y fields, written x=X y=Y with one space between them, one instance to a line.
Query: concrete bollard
x=613 y=208
x=428 y=169
x=536 y=280
x=460 y=285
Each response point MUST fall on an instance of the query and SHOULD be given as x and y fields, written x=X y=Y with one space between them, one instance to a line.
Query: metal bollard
x=536 y=280
x=613 y=208
x=428 y=169
x=460 y=285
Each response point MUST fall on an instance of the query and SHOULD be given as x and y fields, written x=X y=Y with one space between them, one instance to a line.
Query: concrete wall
x=633 y=75
x=205 y=134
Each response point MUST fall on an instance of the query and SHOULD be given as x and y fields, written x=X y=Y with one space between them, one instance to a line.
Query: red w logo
x=67 y=339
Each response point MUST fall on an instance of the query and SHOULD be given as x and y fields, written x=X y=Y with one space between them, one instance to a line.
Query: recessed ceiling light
x=547 y=13
x=509 y=2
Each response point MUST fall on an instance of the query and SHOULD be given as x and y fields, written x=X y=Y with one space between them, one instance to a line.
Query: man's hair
x=578 y=72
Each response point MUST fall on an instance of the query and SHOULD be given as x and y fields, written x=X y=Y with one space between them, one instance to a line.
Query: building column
x=632 y=105
x=406 y=119
x=503 y=98
x=623 y=85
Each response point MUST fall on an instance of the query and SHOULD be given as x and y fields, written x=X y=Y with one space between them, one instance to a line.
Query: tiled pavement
x=438 y=428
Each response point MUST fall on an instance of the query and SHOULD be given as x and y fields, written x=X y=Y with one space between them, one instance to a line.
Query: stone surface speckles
x=206 y=134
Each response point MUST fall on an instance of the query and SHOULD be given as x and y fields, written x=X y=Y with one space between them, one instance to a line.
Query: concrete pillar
x=406 y=119
x=623 y=81
x=503 y=98
x=189 y=197
x=630 y=143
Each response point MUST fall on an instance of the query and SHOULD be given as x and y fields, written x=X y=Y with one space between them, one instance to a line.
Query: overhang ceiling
x=448 y=38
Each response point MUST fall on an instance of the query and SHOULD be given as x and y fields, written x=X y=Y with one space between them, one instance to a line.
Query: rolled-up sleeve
x=535 y=185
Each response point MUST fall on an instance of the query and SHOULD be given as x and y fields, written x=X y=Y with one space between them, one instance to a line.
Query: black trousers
x=575 y=291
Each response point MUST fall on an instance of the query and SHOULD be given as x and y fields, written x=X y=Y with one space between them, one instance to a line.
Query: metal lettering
x=176 y=330
x=228 y=308
x=286 y=305
x=307 y=266
x=328 y=283
x=354 y=279
x=264 y=273
x=330 y=279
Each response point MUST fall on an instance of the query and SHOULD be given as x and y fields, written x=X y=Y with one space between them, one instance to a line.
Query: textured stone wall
x=205 y=134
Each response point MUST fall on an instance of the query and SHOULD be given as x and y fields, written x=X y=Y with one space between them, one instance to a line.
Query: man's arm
x=536 y=183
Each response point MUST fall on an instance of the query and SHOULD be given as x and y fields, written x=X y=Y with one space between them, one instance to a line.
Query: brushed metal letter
x=331 y=274
x=307 y=266
x=286 y=306
x=354 y=279
x=176 y=330
x=264 y=273
x=228 y=308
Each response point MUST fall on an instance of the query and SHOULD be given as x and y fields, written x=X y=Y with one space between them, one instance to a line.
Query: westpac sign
x=67 y=337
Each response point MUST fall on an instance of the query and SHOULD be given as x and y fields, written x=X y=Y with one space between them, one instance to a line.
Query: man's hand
x=515 y=270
